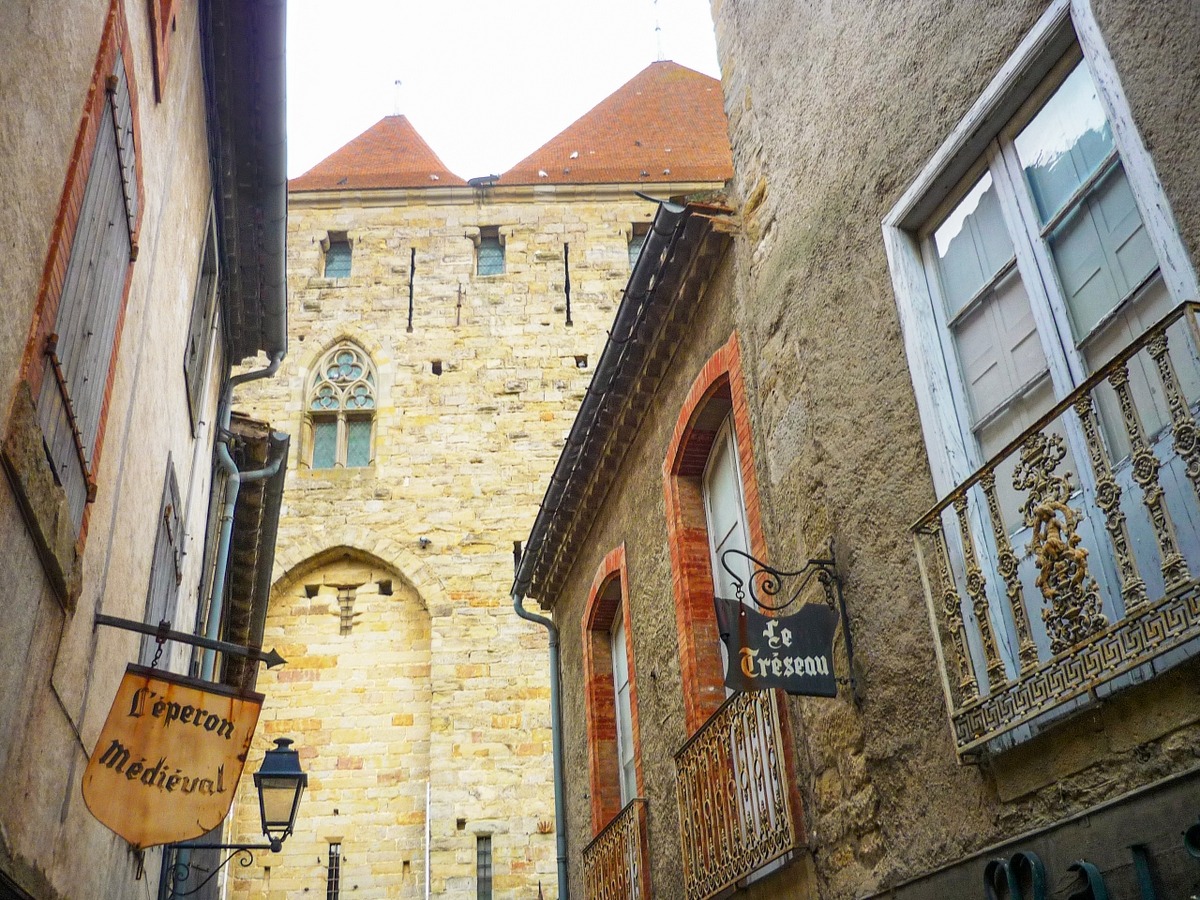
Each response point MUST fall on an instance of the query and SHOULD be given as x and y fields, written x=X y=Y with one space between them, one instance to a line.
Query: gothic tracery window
x=341 y=410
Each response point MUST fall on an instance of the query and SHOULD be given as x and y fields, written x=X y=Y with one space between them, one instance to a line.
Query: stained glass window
x=341 y=404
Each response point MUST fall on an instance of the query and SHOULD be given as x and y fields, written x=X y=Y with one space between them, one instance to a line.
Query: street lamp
x=280 y=783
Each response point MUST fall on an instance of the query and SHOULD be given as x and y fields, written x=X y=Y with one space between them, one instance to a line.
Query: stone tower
x=438 y=360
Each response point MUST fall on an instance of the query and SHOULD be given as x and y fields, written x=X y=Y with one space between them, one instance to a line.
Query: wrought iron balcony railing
x=735 y=788
x=615 y=863
x=1065 y=568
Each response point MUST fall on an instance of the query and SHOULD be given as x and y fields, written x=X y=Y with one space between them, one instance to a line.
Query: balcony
x=736 y=790
x=615 y=863
x=1064 y=568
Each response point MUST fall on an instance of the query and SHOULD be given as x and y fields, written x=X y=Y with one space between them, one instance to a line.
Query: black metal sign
x=793 y=652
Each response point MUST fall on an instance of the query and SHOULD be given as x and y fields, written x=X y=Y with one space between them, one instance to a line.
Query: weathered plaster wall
x=59 y=674
x=461 y=459
x=859 y=97
x=633 y=512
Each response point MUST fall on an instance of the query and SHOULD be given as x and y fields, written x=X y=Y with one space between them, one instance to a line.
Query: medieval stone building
x=444 y=334
x=938 y=350
x=144 y=230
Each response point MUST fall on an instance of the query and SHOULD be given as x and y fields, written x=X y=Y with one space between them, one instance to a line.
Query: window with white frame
x=626 y=765
x=1051 y=252
x=340 y=410
x=725 y=512
x=1033 y=248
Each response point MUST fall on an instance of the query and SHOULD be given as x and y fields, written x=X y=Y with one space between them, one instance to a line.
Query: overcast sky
x=485 y=83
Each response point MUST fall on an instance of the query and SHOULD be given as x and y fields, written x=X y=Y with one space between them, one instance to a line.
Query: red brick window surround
x=162 y=26
x=718 y=393
x=69 y=357
x=607 y=599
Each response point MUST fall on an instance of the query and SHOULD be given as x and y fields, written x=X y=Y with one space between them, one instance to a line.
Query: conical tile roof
x=389 y=154
x=667 y=124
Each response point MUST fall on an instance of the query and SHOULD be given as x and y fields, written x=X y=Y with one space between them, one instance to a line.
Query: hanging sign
x=169 y=758
x=791 y=652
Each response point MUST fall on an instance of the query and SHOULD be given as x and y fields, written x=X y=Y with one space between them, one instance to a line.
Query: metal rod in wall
x=412 y=271
x=567 y=280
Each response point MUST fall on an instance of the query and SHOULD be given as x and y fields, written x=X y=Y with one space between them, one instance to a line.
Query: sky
x=485 y=83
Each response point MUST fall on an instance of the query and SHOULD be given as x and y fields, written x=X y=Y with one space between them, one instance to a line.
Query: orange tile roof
x=389 y=154
x=666 y=124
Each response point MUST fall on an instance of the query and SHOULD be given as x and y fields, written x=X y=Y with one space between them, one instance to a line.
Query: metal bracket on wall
x=162 y=632
x=765 y=590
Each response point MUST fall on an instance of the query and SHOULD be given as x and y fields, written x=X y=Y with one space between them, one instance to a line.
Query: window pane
x=1101 y=253
x=483 y=867
x=635 y=248
x=624 y=711
x=324 y=453
x=972 y=245
x=337 y=260
x=491 y=256
x=1064 y=143
x=358 y=442
x=999 y=350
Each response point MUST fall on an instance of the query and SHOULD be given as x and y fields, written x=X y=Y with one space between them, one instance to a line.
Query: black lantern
x=280 y=783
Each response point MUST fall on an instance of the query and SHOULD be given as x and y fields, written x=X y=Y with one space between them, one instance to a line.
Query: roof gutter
x=622 y=341
x=246 y=92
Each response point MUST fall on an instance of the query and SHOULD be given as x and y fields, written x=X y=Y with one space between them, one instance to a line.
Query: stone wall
x=461 y=461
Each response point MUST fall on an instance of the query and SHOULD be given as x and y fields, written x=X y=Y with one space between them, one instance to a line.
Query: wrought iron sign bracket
x=182 y=871
x=764 y=589
x=162 y=632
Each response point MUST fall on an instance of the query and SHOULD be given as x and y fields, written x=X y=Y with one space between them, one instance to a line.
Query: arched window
x=712 y=506
x=340 y=411
x=614 y=755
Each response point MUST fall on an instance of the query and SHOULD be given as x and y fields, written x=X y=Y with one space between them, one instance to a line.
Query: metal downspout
x=233 y=486
x=560 y=811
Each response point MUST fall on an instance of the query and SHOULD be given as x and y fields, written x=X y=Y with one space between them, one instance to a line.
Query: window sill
x=43 y=502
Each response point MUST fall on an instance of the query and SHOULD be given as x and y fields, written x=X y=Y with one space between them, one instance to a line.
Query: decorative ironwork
x=765 y=583
x=968 y=686
x=1007 y=566
x=734 y=793
x=1183 y=424
x=615 y=863
x=1130 y=642
x=179 y=872
x=1081 y=650
x=1108 y=498
x=1145 y=472
x=977 y=591
x=1073 y=610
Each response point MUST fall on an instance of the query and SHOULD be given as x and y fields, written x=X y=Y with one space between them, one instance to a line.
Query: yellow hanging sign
x=170 y=756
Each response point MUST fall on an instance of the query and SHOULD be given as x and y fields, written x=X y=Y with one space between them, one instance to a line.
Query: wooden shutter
x=166 y=568
x=80 y=353
x=204 y=308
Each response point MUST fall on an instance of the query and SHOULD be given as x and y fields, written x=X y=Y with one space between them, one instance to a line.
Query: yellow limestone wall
x=439 y=683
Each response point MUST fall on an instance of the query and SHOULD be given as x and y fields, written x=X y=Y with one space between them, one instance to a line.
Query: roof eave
x=682 y=251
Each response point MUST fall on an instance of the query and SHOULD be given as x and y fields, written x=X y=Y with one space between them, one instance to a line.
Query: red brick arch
x=607 y=598
x=719 y=385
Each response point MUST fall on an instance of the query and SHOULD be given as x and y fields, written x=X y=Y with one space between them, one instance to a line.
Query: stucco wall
x=60 y=674
x=859 y=98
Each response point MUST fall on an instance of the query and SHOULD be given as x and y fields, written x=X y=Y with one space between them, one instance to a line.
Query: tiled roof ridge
x=389 y=154
x=666 y=124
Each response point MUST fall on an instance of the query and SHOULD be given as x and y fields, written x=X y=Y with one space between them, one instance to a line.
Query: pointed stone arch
x=303 y=551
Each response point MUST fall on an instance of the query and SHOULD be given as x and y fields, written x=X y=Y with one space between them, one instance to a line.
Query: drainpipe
x=232 y=487
x=560 y=817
